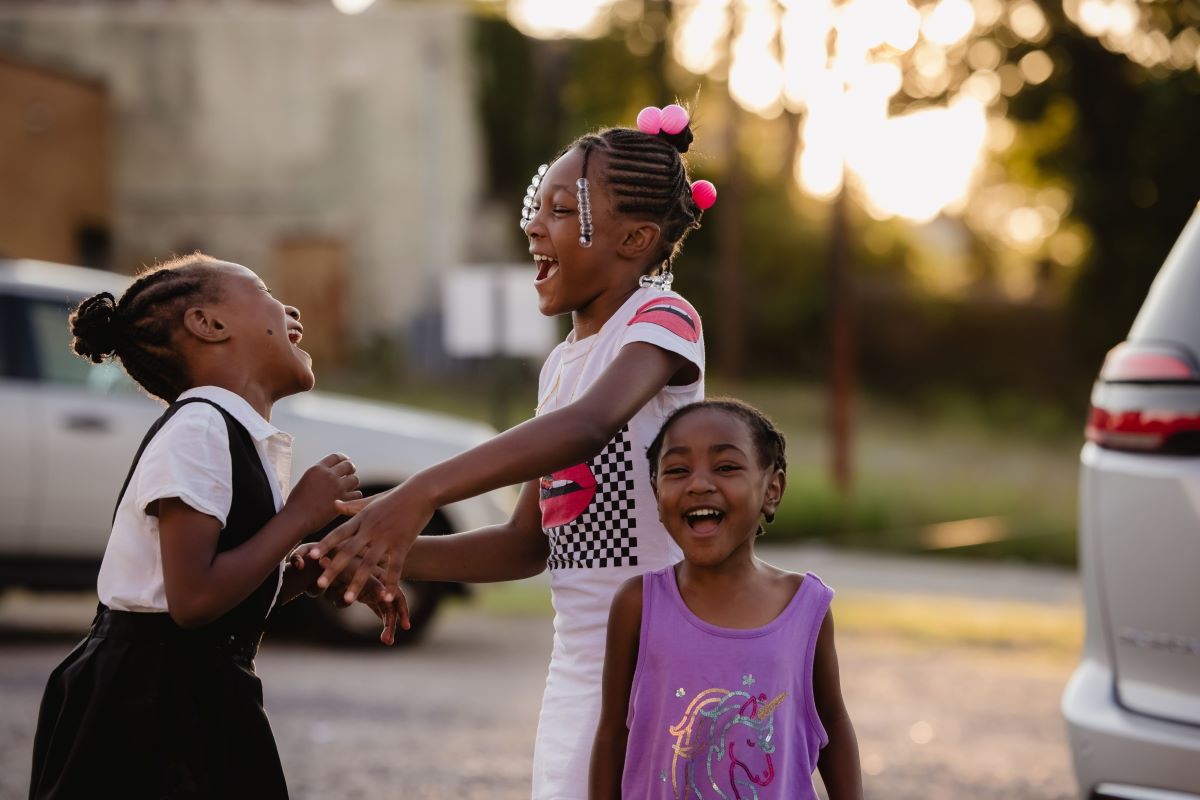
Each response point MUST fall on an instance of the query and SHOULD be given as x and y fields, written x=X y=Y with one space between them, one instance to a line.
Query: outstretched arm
x=386 y=528
x=620 y=663
x=517 y=549
x=838 y=761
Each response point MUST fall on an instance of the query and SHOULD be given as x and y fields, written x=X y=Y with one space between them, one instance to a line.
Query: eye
x=728 y=467
x=561 y=210
x=676 y=470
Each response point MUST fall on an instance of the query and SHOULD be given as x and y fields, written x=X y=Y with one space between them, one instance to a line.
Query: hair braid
x=140 y=329
x=647 y=177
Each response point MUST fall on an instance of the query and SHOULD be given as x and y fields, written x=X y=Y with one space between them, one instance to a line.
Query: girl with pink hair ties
x=605 y=222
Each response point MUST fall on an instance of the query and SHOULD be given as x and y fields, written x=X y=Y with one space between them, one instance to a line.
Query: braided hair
x=768 y=439
x=647 y=178
x=140 y=328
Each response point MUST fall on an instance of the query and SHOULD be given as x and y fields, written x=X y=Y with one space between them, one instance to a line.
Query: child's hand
x=331 y=479
x=381 y=533
x=390 y=612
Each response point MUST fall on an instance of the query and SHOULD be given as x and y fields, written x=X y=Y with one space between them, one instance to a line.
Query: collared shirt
x=187 y=459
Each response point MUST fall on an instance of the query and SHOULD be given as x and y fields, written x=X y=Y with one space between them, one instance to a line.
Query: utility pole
x=841 y=347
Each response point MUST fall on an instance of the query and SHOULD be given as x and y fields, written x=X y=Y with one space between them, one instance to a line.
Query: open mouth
x=704 y=520
x=546 y=265
x=295 y=335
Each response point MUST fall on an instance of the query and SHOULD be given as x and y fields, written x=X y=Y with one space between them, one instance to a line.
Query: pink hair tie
x=649 y=120
x=670 y=120
x=704 y=194
x=674 y=119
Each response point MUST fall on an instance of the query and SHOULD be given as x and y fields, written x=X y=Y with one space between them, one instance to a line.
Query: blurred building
x=338 y=156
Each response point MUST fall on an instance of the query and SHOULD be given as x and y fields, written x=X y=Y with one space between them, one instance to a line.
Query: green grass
x=925 y=620
x=994 y=479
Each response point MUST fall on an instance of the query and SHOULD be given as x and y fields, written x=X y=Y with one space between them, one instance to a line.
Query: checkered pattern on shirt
x=605 y=534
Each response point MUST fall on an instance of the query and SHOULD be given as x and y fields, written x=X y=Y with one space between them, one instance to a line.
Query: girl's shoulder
x=665 y=319
x=192 y=423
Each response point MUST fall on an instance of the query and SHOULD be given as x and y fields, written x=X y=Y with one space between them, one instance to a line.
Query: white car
x=68 y=430
x=1133 y=704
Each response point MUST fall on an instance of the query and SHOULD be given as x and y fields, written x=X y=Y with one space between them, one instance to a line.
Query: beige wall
x=238 y=125
x=54 y=162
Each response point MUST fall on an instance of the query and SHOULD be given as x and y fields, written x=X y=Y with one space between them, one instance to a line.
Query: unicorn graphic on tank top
x=723 y=746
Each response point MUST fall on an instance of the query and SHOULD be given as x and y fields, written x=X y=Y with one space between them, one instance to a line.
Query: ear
x=773 y=494
x=639 y=240
x=202 y=323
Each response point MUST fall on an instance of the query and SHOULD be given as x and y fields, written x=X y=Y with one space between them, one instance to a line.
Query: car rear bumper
x=1119 y=754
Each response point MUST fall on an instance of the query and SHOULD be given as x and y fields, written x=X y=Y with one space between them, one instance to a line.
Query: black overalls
x=142 y=708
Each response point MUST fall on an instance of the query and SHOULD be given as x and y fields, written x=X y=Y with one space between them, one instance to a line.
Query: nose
x=292 y=312
x=700 y=482
x=535 y=228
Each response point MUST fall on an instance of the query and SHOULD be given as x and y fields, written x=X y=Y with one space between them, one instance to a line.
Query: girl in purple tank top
x=720 y=673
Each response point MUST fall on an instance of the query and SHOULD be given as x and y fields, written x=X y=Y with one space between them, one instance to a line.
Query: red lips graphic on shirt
x=565 y=494
x=673 y=314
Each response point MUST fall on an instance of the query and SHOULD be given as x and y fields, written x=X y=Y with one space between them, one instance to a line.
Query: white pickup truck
x=68 y=431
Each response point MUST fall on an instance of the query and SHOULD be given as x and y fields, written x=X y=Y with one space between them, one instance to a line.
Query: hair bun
x=681 y=141
x=672 y=123
x=96 y=327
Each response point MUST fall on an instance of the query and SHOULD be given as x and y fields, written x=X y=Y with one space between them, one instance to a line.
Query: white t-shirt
x=188 y=458
x=603 y=525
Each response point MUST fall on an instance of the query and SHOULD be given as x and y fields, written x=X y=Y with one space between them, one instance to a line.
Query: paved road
x=456 y=716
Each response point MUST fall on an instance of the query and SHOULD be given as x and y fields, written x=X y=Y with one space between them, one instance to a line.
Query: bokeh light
x=549 y=19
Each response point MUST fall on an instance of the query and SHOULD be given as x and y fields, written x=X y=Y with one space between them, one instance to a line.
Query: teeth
x=543 y=258
x=704 y=512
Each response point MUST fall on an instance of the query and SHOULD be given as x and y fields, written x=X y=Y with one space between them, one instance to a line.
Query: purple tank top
x=723 y=712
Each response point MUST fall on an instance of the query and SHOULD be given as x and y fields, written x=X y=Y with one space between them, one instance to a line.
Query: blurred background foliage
x=983 y=296
x=980 y=316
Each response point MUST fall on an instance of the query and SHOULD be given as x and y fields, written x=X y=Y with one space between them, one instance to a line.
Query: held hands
x=391 y=612
x=330 y=480
x=381 y=533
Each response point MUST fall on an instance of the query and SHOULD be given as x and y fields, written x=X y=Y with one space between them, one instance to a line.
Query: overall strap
x=150 y=434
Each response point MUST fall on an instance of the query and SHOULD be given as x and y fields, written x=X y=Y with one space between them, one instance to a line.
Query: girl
x=720 y=677
x=604 y=222
x=161 y=699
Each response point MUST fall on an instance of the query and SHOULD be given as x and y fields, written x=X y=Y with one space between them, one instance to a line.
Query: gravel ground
x=455 y=717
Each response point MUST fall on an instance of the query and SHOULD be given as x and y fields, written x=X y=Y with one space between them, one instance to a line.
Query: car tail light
x=1170 y=432
x=1129 y=363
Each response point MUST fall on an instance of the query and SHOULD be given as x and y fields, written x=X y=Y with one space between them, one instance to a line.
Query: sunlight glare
x=805 y=57
x=916 y=164
x=700 y=34
x=930 y=60
x=1123 y=18
x=1001 y=133
x=756 y=76
x=984 y=86
x=352 y=7
x=1025 y=225
x=863 y=25
x=1027 y=21
x=1036 y=66
x=949 y=22
x=988 y=12
x=551 y=19
x=1094 y=17
x=819 y=168
x=985 y=54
